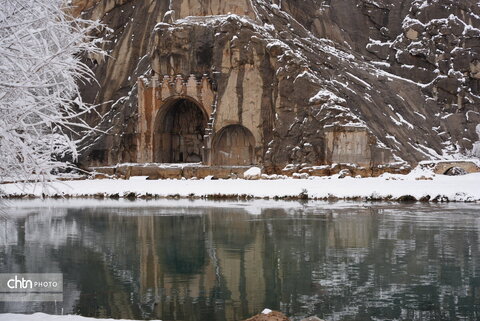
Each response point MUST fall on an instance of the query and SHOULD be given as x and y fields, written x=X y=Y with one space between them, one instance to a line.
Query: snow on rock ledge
x=253 y=173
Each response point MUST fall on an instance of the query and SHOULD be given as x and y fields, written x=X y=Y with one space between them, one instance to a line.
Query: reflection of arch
x=234 y=145
x=232 y=229
x=181 y=244
x=179 y=131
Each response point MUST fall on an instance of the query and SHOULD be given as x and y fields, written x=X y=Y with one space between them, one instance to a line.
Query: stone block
x=170 y=172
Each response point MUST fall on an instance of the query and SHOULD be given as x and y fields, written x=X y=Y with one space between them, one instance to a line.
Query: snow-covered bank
x=416 y=184
x=47 y=317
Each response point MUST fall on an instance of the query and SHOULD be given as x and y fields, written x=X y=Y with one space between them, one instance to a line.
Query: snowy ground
x=417 y=184
x=45 y=317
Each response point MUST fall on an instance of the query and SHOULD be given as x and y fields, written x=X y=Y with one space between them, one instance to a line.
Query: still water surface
x=209 y=261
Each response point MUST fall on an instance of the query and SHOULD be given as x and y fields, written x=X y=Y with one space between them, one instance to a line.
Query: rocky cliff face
x=315 y=82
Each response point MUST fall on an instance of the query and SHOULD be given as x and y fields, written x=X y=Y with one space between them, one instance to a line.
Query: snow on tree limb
x=41 y=50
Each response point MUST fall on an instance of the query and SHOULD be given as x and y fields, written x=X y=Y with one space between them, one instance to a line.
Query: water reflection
x=178 y=262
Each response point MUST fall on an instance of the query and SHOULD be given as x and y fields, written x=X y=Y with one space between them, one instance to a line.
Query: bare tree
x=41 y=50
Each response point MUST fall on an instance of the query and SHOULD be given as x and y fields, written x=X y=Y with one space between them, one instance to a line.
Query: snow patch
x=325 y=95
x=252 y=173
x=476 y=145
x=266 y=311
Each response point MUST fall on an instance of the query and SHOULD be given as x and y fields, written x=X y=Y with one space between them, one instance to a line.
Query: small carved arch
x=234 y=145
x=179 y=131
x=455 y=171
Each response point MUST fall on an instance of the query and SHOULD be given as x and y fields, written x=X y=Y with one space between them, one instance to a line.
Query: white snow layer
x=47 y=317
x=418 y=184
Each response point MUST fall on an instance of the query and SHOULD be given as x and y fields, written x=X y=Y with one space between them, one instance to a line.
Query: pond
x=209 y=261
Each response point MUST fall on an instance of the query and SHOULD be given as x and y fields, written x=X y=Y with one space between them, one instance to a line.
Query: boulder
x=271 y=316
x=344 y=173
x=253 y=173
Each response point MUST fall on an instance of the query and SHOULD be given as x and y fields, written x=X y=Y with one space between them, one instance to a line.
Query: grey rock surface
x=406 y=72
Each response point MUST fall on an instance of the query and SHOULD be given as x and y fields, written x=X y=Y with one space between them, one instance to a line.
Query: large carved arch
x=179 y=132
x=234 y=145
x=159 y=103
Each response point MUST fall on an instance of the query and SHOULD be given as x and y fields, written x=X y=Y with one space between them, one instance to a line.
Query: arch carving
x=234 y=145
x=179 y=132
x=171 y=113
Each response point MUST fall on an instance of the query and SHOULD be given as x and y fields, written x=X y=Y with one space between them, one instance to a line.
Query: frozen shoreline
x=465 y=188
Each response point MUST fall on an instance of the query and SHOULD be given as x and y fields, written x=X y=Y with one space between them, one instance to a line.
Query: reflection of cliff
x=240 y=253
x=351 y=231
x=29 y=243
x=174 y=267
x=8 y=232
x=190 y=262
x=220 y=264
x=149 y=264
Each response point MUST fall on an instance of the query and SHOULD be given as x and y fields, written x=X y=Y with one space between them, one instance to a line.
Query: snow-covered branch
x=41 y=50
